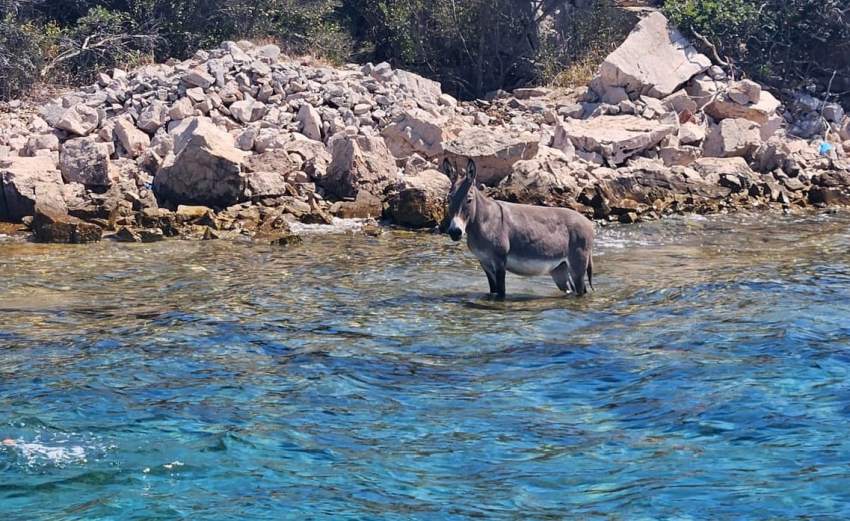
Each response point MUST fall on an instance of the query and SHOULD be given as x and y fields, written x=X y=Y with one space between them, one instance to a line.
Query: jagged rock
x=132 y=139
x=419 y=201
x=655 y=60
x=85 y=161
x=206 y=167
x=311 y=122
x=679 y=155
x=723 y=107
x=40 y=142
x=691 y=133
x=744 y=92
x=833 y=112
x=182 y=109
x=248 y=110
x=125 y=234
x=50 y=225
x=358 y=163
x=153 y=117
x=418 y=132
x=198 y=78
x=546 y=179
x=715 y=169
x=494 y=151
x=27 y=181
x=79 y=119
x=422 y=89
x=364 y=206
x=831 y=188
x=703 y=89
x=732 y=138
x=561 y=141
x=616 y=138
x=266 y=184
x=680 y=103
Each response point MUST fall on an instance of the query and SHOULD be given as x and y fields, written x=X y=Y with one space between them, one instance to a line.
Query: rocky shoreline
x=243 y=141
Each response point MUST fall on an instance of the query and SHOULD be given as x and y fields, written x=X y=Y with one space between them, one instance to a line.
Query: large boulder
x=53 y=225
x=418 y=132
x=739 y=104
x=732 y=138
x=545 y=180
x=419 y=88
x=85 y=161
x=654 y=60
x=359 y=163
x=205 y=168
x=494 y=151
x=27 y=181
x=79 y=119
x=616 y=138
x=419 y=200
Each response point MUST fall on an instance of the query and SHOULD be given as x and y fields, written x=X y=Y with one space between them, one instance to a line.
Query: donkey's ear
x=448 y=169
x=471 y=170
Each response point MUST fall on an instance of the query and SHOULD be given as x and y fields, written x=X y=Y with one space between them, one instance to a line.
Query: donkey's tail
x=590 y=272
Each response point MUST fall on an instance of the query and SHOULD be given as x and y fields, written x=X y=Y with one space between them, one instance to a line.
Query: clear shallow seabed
x=359 y=377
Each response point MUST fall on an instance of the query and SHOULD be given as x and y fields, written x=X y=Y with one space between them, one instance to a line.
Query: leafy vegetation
x=788 y=43
x=471 y=46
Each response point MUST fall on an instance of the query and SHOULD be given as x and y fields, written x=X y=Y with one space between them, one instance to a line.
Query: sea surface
x=371 y=378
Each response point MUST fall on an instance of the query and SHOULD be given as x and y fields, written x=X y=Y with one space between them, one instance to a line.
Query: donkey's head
x=461 y=199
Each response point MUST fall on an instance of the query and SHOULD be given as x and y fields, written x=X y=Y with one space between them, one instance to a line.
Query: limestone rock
x=205 y=168
x=85 y=161
x=198 y=78
x=732 y=138
x=248 y=110
x=311 y=122
x=27 y=181
x=50 y=225
x=358 y=164
x=132 y=139
x=546 y=179
x=616 y=138
x=494 y=151
x=153 y=117
x=419 y=132
x=724 y=107
x=422 y=89
x=419 y=201
x=655 y=60
x=79 y=119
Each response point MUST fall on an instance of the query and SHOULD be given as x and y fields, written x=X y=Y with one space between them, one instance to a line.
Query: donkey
x=520 y=238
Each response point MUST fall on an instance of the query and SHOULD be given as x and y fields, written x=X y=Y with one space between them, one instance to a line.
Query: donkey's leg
x=491 y=277
x=578 y=260
x=561 y=276
x=500 y=281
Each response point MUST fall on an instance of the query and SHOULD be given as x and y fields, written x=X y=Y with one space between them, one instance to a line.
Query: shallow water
x=360 y=377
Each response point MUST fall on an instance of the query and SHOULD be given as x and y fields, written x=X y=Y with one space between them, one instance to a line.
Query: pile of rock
x=243 y=140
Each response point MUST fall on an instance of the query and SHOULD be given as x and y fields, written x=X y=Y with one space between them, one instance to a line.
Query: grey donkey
x=520 y=238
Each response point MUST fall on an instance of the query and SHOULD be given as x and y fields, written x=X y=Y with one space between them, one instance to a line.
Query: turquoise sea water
x=369 y=378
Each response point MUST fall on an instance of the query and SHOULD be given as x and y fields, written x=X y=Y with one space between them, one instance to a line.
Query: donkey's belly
x=531 y=266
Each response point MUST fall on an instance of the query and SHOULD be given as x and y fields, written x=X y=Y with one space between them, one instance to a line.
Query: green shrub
x=788 y=43
x=20 y=59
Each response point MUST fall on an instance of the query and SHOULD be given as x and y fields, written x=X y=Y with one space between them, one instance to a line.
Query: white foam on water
x=37 y=454
x=338 y=226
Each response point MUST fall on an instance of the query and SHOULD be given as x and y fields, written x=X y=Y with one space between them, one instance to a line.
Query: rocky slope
x=242 y=140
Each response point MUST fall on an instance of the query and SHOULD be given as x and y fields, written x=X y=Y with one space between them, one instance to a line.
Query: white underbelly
x=528 y=266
